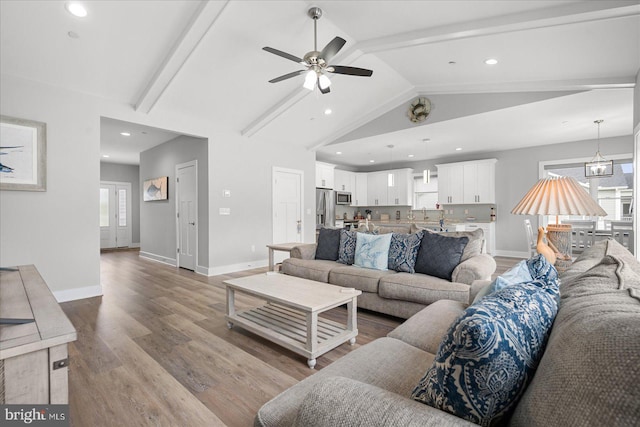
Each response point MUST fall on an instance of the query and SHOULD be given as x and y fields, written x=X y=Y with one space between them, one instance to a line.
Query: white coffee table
x=290 y=316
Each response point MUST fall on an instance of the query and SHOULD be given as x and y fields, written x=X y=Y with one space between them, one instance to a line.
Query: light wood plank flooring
x=154 y=350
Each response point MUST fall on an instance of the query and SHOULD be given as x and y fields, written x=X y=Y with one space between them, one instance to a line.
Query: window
x=614 y=194
x=104 y=207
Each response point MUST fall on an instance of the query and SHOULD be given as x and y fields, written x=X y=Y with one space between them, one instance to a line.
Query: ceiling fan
x=317 y=63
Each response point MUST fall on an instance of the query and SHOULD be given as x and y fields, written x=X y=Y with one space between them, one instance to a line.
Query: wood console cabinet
x=33 y=356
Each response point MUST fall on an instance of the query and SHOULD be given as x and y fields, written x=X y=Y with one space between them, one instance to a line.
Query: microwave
x=343 y=198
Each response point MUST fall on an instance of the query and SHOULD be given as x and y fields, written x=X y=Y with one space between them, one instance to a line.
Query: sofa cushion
x=372 y=251
x=403 y=251
x=347 y=248
x=439 y=255
x=426 y=328
x=328 y=244
x=590 y=364
x=490 y=353
x=311 y=269
x=421 y=288
x=473 y=248
x=364 y=279
x=386 y=363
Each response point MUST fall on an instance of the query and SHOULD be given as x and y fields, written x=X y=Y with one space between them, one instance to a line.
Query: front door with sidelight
x=115 y=214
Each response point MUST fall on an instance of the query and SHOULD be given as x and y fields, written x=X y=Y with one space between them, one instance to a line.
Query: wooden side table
x=284 y=247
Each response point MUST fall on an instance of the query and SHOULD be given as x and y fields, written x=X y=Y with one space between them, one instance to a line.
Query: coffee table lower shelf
x=291 y=328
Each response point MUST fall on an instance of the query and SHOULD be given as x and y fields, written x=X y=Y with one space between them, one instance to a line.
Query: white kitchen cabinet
x=377 y=188
x=324 y=175
x=471 y=182
x=344 y=181
x=479 y=182
x=450 y=184
x=489 y=229
x=401 y=192
x=359 y=196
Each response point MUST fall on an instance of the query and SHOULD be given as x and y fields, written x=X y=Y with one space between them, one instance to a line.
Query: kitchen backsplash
x=481 y=213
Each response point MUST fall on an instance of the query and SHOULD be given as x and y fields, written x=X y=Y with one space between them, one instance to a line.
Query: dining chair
x=582 y=234
x=622 y=231
x=531 y=240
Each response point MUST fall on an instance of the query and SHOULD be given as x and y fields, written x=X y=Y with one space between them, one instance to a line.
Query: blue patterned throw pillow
x=541 y=269
x=490 y=353
x=403 y=251
x=372 y=251
x=347 y=250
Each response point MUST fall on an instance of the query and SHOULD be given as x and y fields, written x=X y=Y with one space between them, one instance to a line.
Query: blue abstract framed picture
x=23 y=155
x=155 y=189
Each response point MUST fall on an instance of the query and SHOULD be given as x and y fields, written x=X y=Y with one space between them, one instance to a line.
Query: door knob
x=192 y=223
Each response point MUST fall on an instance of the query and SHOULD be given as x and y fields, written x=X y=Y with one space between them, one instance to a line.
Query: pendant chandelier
x=598 y=166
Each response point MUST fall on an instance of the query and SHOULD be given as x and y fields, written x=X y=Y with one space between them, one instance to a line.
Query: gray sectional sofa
x=588 y=374
x=396 y=293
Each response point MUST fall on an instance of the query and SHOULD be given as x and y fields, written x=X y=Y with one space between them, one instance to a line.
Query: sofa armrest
x=479 y=267
x=476 y=287
x=304 y=251
x=340 y=401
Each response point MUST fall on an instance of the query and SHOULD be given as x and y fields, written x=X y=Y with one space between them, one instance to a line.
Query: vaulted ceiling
x=561 y=65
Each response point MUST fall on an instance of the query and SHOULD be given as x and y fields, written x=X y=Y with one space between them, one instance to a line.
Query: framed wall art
x=23 y=154
x=155 y=189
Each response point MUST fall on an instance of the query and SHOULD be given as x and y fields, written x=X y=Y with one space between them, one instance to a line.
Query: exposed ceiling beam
x=563 y=15
x=205 y=17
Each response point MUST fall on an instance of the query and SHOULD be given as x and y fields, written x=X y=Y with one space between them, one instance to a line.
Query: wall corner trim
x=78 y=293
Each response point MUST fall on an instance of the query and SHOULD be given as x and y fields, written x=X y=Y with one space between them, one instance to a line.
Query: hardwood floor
x=154 y=350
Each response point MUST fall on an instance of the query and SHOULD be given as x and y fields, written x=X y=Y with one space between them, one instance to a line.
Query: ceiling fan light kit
x=317 y=62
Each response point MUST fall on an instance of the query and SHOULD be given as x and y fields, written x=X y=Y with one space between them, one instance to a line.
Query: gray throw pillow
x=328 y=244
x=473 y=248
x=439 y=255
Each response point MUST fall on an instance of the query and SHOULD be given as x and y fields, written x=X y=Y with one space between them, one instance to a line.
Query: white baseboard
x=158 y=258
x=134 y=245
x=202 y=270
x=232 y=268
x=513 y=254
x=78 y=293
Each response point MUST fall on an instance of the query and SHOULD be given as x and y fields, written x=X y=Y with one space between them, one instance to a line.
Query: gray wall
x=158 y=218
x=126 y=173
x=636 y=103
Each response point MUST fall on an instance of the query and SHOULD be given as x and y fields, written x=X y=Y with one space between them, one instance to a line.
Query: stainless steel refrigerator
x=325 y=208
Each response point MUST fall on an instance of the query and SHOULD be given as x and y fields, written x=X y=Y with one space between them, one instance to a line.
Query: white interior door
x=115 y=214
x=287 y=208
x=187 y=213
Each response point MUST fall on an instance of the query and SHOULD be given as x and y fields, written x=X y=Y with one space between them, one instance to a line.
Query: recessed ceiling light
x=491 y=61
x=73 y=35
x=76 y=9
x=452 y=62
x=372 y=161
x=327 y=111
x=410 y=155
x=426 y=139
x=458 y=149
x=125 y=134
x=106 y=156
x=338 y=152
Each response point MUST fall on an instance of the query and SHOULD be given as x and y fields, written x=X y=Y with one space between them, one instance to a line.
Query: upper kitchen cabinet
x=324 y=175
x=467 y=182
x=359 y=196
x=450 y=183
x=390 y=188
x=344 y=181
x=480 y=182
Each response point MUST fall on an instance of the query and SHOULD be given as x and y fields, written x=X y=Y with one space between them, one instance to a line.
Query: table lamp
x=558 y=196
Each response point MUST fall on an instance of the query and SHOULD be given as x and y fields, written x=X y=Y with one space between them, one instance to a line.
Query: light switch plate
x=226 y=193
x=225 y=211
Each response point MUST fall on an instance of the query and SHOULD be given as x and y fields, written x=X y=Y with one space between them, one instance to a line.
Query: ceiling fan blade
x=325 y=90
x=352 y=71
x=332 y=48
x=286 y=76
x=283 y=54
